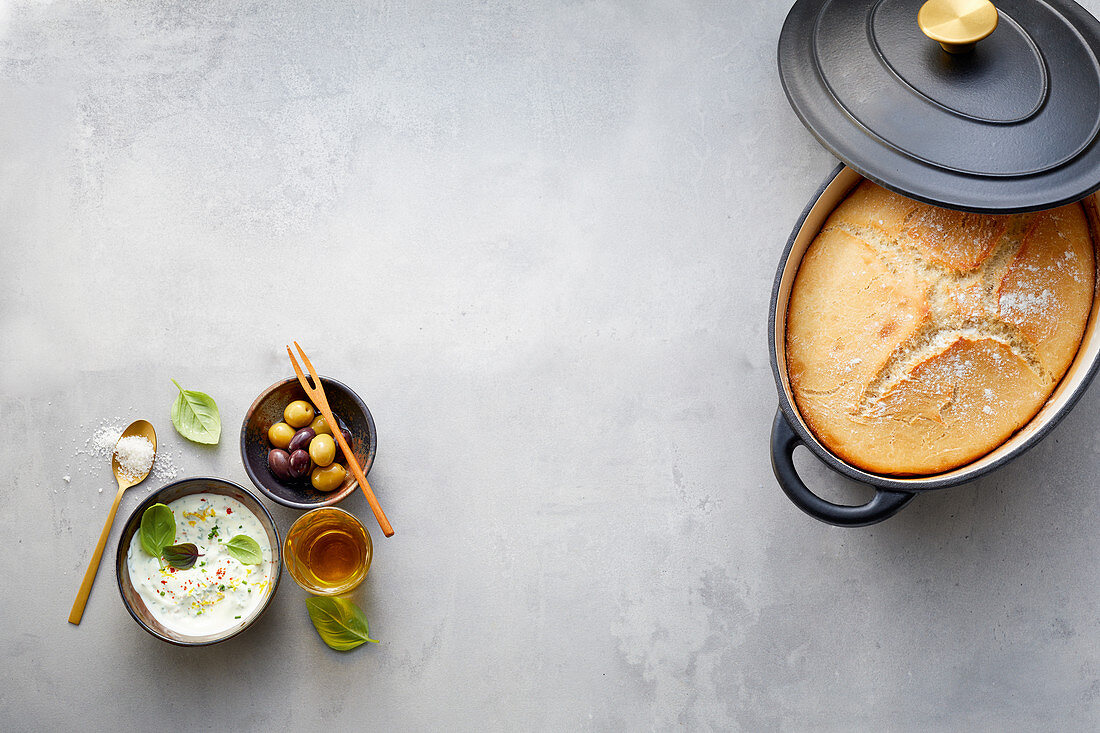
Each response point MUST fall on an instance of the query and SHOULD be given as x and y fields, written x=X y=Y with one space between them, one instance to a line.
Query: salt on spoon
x=134 y=454
x=133 y=458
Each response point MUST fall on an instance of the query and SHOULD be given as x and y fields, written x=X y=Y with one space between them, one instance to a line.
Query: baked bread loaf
x=920 y=338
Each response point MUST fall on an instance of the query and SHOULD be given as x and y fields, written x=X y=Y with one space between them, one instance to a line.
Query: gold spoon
x=145 y=430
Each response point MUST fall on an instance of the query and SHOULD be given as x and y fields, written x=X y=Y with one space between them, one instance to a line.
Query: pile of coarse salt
x=101 y=444
x=134 y=454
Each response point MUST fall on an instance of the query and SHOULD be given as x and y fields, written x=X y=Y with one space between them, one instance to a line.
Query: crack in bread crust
x=945 y=325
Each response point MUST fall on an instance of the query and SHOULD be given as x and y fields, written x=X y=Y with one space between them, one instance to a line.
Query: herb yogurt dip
x=218 y=592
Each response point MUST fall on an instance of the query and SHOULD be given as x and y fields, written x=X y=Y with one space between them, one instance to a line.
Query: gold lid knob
x=957 y=24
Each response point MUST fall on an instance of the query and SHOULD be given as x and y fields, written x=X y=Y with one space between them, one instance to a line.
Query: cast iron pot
x=891 y=492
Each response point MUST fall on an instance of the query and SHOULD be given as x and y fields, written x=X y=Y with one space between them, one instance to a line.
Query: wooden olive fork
x=317 y=396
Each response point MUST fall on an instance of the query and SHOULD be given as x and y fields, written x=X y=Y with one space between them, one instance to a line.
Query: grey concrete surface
x=539 y=239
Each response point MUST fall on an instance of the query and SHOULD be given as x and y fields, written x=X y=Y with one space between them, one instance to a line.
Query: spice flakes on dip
x=218 y=592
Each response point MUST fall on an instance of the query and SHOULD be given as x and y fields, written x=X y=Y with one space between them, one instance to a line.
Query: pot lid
x=1003 y=117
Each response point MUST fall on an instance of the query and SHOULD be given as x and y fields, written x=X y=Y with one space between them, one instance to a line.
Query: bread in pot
x=920 y=338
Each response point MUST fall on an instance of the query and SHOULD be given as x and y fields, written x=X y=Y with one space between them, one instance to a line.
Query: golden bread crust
x=919 y=338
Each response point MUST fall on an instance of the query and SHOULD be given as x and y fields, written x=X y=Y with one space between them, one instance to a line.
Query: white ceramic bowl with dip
x=221 y=597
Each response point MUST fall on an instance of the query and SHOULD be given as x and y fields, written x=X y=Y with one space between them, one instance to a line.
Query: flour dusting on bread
x=919 y=338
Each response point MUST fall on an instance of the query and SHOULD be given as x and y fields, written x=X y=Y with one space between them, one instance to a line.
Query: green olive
x=298 y=414
x=320 y=426
x=322 y=450
x=280 y=434
x=327 y=478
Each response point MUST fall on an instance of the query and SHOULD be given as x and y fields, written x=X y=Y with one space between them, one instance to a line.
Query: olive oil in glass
x=328 y=551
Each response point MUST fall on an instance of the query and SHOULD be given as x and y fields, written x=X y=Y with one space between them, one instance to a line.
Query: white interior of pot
x=1073 y=380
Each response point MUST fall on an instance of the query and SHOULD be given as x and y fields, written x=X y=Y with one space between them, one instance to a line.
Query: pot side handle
x=882 y=506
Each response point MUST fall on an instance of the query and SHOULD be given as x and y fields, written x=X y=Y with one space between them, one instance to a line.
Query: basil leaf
x=340 y=622
x=158 y=529
x=182 y=556
x=245 y=549
x=196 y=417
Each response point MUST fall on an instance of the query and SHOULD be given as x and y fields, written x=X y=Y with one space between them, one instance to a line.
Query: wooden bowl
x=133 y=601
x=268 y=410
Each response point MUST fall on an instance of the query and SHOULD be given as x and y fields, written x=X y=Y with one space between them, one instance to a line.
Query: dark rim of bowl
x=120 y=557
x=911 y=485
x=332 y=499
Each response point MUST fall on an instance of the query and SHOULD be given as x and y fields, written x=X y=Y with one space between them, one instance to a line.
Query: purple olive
x=301 y=439
x=278 y=461
x=347 y=437
x=299 y=464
